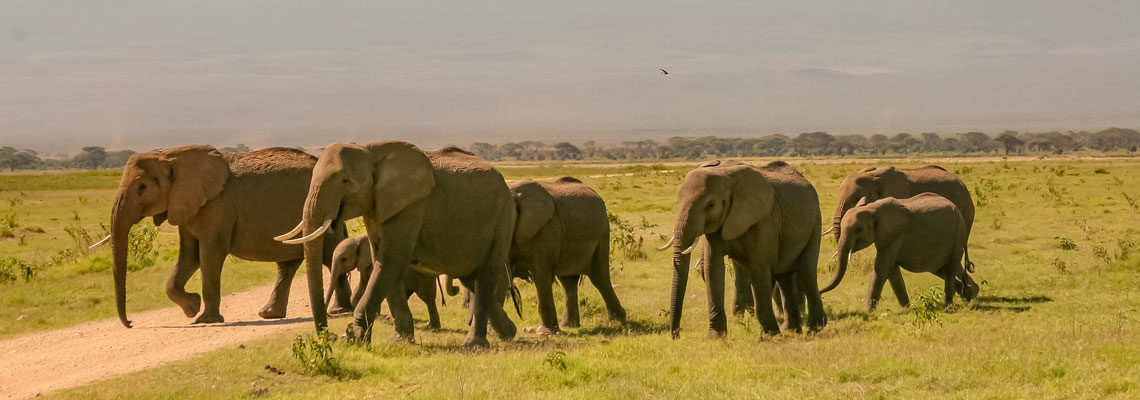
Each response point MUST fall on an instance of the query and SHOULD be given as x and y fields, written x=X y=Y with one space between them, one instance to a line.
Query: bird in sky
x=663 y=71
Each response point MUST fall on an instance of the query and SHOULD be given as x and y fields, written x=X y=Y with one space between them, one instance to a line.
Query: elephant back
x=271 y=160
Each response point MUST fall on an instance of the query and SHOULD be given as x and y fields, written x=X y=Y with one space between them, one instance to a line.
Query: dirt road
x=47 y=361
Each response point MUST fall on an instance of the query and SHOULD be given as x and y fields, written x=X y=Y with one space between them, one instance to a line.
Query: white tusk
x=827 y=231
x=101 y=242
x=667 y=244
x=690 y=249
x=836 y=254
x=294 y=232
x=317 y=233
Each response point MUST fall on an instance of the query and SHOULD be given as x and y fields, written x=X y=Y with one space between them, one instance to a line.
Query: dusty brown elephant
x=446 y=212
x=923 y=233
x=222 y=204
x=355 y=253
x=876 y=183
x=767 y=220
x=562 y=231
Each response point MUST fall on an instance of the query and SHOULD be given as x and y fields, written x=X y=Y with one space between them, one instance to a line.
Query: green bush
x=140 y=247
x=12 y=269
x=928 y=309
x=316 y=355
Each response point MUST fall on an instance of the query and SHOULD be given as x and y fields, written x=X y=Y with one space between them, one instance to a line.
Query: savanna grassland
x=1056 y=243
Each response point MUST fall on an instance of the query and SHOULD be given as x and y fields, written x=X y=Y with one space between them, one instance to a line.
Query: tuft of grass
x=1067 y=244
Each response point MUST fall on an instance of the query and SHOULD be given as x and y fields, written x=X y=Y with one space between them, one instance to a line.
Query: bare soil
x=53 y=360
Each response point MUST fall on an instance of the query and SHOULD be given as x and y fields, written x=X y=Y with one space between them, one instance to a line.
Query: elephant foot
x=192 y=306
x=338 y=310
x=271 y=312
x=356 y=334
x=507 y=331
x=543 y=330
x=715 y=334
x=433 y=326
x=618 y=315
x=476 y=342
x=209 y=319
x=572 y=323
x=816 y=324
x=398 y=338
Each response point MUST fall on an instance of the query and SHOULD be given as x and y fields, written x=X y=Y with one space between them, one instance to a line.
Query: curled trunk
x=844 y=257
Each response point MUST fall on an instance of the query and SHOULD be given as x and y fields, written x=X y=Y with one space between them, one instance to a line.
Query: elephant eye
x=345 y=181
x=142 y=187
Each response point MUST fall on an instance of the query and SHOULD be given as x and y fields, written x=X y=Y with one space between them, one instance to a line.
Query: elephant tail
x=442 y=293
x=968 y=264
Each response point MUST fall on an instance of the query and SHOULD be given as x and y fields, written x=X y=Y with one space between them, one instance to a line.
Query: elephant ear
x=197 y=174
x=889 y=219
x=536 y=208
x=403 y=176
x=751 y=202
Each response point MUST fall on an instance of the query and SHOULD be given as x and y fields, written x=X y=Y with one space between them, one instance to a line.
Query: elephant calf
x=354 y=253
x=562 y=231
x=924 y=233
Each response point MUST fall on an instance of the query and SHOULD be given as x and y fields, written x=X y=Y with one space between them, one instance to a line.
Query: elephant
x=562 y=231
x=222 y=204
x=876 y=183
x=923 y=233
x=354 y=253
x=766 y=218
x=446 y=211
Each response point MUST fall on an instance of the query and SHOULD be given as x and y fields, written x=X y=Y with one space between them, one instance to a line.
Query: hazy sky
x=145 y=74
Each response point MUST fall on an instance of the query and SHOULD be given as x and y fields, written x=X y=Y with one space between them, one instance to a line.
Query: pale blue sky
x=144 y=74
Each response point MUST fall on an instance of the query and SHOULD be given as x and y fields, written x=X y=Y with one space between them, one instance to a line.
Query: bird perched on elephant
x=223 y=204
x=446 y=212
x=766 y=218
x=355 y=254
x=923 y=233
x=876 y=183
x=562 y=232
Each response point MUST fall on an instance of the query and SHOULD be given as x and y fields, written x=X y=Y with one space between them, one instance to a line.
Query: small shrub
x=1100 y=253
x=1126 y=246
x=1117 y=181
x=12 y=268
x=928 y=309
x=1067 y=244
x=1060 y=265
x=555 y=359
x=1132 y=203
x=1100 y=171
x=8 y=224
x=624 y=240
x=140 y=247
x=316 y=355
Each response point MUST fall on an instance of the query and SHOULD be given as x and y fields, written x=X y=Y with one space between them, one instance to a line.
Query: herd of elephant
x=437 y=216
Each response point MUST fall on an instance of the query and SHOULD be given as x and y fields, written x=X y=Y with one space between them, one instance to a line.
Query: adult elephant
x=876 y=183
x=562 y=232
x=222 y=204
x=767 y=220
x=446 y=212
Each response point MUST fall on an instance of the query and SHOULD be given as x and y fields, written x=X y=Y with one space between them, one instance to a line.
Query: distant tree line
x=819 y=144
x=91 y=157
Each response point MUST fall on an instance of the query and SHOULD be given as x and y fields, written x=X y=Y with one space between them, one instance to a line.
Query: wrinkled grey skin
x=876 y=183
x=355 y=254
x=767 y=220
x=446 y=211
x=924 y=233
x=223 y=204
x=562 y=231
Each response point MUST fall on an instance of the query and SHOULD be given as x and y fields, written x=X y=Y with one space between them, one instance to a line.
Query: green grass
x=1051 y=322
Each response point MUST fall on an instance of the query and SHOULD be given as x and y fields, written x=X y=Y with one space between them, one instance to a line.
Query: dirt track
x=53 y=360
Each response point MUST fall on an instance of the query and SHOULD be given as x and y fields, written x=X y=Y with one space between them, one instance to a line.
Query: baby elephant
x=354 y=253
x=924 y=233
x=562 y=231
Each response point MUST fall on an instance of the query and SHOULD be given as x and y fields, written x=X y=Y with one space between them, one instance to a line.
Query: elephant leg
x=543 y=284
x=762 y=289
x=884 y=263
x=426 y=291
x=714 y=285
x=342 y=302
x=279 y=297
x=396 y=255
x=184 y=268
x=600 y=276
x=805 y=278
x=743 y=301
x=899 y=287
x=361 y=285
x=787 y=285
x=212 y=257
x=570 y=316
x=495 y=277
x=950 y=274
x=342 y=299
x=401 y=312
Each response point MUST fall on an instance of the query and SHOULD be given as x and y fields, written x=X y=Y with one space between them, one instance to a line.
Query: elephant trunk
x=685 y=236
x=449 y=285
x=121 y=221
x=319 y=213
x=844 y=257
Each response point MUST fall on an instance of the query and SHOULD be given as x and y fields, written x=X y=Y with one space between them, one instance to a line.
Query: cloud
x=842 y=72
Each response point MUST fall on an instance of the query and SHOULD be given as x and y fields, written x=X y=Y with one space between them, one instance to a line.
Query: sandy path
x=53 y=360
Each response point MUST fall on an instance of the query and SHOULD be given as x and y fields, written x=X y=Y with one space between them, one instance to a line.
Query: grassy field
x=1055 y=243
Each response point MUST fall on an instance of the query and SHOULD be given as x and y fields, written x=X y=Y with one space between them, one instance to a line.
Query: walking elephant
x=767 y=220
x=924 y=233
x=446 y=212
x=355 y=253
x=876 y=183
x=562 y=232
x=222 y=204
